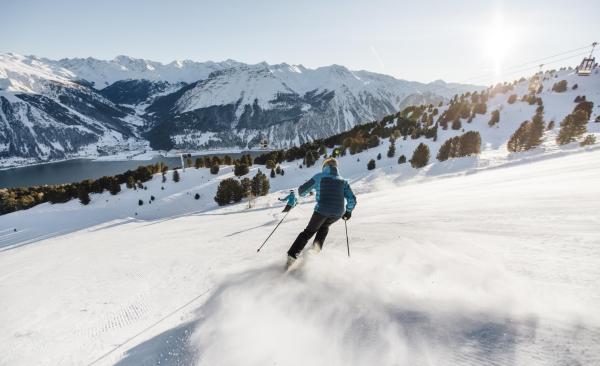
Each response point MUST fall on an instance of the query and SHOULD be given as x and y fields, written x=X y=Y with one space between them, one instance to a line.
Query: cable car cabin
x=586 y=67
x=264 y=144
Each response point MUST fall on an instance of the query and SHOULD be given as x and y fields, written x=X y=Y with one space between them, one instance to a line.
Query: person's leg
x=322 y=232
x=287 y=208
x=313 y=226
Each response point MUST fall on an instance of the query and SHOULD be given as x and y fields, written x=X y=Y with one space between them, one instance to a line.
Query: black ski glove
x=347 y=215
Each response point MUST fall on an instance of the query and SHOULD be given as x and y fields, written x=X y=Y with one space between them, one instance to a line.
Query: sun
x=499 y=38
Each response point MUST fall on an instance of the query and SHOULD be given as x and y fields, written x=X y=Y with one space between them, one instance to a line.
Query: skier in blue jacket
x=331 y=190
x=291 y=201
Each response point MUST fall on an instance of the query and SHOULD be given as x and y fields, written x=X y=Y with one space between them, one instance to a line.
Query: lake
x=76 y=170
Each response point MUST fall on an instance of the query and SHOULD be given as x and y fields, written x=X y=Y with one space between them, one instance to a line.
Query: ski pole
x=265 y=242
x=347 y=242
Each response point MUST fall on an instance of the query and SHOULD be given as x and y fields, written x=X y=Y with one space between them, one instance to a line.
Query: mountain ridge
x=186 y=105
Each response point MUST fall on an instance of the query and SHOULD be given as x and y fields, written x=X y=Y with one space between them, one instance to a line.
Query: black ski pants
x=318 y=224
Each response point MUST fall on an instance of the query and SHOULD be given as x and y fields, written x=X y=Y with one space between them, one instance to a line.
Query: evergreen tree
x=456 y=125
x=392 y=149
x=379 y=156
x=512 y=99
x=247 y=186
x=420 y=156
x=371 y=164
x=372 y=141
x=588 y=140
x=572 y=127
x=130 y=182
x=199 y=163
x=176 y=176
x=240 y=169
x=114 y=187
x=518 y=139
x=228 y=191
x=550 y=125
x=140 y=202
x=83 y=195
x=402 y=159
x=260 y=184
x=214 y=169
x=216 y=160
x=227 y=160
x=188 y=162
x=310 y=158
x=278 y=169
x=197 y=196
x=495 y=118
x=272 y=173
x=560 y=87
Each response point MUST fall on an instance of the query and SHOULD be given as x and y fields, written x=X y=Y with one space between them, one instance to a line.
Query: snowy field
x=495 y=266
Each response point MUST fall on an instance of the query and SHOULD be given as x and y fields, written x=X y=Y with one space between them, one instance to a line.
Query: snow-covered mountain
x=86 y=107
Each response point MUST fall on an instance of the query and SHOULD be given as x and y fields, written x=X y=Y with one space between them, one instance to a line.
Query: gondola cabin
x=586 y=67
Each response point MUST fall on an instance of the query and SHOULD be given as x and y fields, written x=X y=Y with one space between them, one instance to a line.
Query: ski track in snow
x=499 y=267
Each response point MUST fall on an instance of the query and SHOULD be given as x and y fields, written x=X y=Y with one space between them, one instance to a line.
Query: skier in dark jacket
x=331 y=190
x=291 y=201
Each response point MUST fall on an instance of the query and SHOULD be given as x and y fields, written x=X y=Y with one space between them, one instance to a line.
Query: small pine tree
x=551 y=125
x=273 y=173
x=229 y=190
x=199 y=163
x=310 y=158
x=270 y=164
x=495 y=118
x=392 y=149
x=240 y=169
x=379 y=156
x=114 y=186
x=130 y=182
x=512 y=99
x=278 y=169
x=456 y=125
x=402 y=159
x=140 y=202
x=176 y=176
x=83 y=195
x=560 y=87
x=588 y=140
x=227 y=160
x=371 y=164
x=188 y=162
x=572 y=127
x=420 y=156
x=214 y=169
x=197 y=196
x=152 y=198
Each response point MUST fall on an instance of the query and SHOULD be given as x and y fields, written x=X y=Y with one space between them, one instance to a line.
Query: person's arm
x=284 y=198
x=350 y=198
x=305 y=188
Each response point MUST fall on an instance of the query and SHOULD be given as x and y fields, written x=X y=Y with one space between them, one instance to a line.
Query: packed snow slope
x=459 y=263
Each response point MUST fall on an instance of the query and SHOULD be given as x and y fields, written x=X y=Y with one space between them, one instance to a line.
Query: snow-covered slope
x=496 y=267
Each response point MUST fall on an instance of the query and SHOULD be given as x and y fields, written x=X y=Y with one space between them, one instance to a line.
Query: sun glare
x=499 y=38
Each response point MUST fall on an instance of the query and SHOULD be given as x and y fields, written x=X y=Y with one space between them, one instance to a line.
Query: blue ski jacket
x=291 y=199
x=331 y=189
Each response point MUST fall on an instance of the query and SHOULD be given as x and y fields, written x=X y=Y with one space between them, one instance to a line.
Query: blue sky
x=415 y=40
